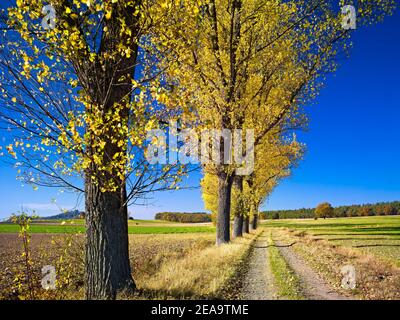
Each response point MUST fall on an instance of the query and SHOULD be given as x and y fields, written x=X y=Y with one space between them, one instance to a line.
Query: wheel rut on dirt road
x=258 y=283
x=312 y=285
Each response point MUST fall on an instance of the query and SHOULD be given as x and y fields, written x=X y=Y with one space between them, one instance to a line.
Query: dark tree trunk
x=108 y=269
x=246 y=225
x=224 y=208
x=109 y=86
x=238 y=209
x=238 y=226
x=254 y=222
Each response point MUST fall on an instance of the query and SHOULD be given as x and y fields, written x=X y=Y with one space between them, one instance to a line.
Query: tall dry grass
x=167 y=266
x=200 y=274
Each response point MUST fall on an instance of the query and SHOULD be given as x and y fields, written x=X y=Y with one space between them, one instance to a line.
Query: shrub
x=263 y=216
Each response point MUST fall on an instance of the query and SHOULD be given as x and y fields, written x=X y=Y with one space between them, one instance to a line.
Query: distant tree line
x=378 y=209
x=184 y=217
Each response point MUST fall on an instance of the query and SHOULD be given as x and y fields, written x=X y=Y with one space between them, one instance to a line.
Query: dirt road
x=258 y=283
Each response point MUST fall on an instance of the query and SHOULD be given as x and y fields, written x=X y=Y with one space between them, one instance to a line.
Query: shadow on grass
x=396 y=236
x=375 y=245
x=169 y=294
x=355 y=239
x=274 y=245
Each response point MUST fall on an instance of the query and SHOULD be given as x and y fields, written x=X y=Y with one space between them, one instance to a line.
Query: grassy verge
x=287 y=282
x=209 y=273
x=232 y=288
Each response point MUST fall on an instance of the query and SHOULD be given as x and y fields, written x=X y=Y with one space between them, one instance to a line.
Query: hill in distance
x=69 y=215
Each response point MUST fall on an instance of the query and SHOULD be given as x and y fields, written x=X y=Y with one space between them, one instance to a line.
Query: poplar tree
x=231 y=60
x=78 y=96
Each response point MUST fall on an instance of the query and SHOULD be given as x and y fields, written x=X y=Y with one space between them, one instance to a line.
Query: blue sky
x=353 y=142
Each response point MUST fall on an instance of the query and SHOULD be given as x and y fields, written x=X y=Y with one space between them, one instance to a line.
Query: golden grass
x=166 y=266
x=199 y=274
x=149 y=252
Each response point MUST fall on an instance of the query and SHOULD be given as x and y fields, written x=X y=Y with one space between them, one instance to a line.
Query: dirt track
x=312 y=285
x=259 y=281
x=258 y=284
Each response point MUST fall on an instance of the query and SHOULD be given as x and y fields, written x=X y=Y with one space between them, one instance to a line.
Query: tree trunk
x=224 y=208
x=254 y=222
x=238 y=209
x=238 y=226
x=246 y=225
x=108 y=268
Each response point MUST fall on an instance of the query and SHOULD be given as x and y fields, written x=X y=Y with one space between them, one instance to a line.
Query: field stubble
x=165 y=266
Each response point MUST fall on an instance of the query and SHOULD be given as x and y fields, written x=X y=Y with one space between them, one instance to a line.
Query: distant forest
x=184 y=217
x=378 y=209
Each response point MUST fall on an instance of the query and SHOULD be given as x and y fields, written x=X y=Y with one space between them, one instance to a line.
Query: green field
x=135 y=227
x=379 y=236
x=81 y=222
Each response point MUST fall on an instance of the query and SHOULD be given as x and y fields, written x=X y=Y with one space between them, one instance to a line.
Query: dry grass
x=376 y=279
x=199 y=274
x=378 y=235
x=63 y=252
x=149 y=252
x=164 y=265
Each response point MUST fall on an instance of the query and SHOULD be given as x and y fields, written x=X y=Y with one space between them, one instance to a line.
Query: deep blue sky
x=353 y=142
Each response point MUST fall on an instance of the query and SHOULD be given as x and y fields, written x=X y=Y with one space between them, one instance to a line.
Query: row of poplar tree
x=80 y=89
